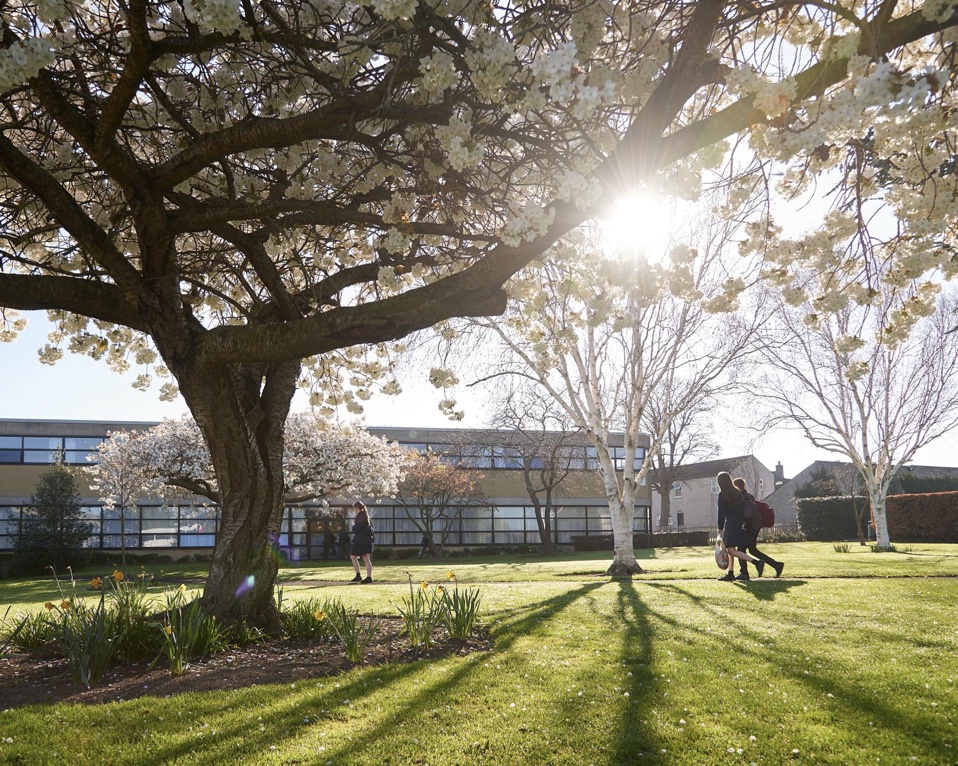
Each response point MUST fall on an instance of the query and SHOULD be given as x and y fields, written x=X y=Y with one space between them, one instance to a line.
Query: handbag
x=721 y=555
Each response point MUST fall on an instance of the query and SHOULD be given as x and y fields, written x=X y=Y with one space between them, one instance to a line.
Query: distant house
x=694 y=494
x=845 y=474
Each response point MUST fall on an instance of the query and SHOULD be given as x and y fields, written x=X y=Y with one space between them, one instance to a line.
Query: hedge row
x=930 y=518
x=828 y=518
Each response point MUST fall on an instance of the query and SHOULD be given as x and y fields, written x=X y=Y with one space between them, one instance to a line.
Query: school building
x=309 y=531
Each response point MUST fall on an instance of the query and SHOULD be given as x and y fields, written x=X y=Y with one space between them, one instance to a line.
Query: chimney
x=779 y=474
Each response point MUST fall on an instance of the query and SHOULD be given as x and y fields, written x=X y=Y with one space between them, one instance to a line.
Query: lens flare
x=246 y=586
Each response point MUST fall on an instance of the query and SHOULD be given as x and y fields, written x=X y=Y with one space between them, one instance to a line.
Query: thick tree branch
x=79 y=296
x=70 y=216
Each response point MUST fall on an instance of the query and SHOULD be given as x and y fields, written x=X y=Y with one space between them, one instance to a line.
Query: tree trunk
x=242 y=414
x=666 y=508
x=623 y=563
x=882 y=539
x=542 y=522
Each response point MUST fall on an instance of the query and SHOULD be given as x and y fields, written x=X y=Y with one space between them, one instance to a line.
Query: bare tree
x=687 y=438
x=536 y=432
x=873 y=402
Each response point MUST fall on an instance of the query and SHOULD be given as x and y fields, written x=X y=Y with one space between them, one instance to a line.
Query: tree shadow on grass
x=868 y=713
x=634 y=738
x=288 y=718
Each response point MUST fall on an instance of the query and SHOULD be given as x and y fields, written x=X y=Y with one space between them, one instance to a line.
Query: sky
x=80 y=388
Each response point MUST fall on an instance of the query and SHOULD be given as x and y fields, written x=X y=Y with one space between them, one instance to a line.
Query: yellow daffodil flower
x=48 y=605
x=96 y=583
x=424 y=585
x=320 y=615
x=182 y=587
x=451 y=575
x=117 y=575
x=65 y=604
x=169 y=630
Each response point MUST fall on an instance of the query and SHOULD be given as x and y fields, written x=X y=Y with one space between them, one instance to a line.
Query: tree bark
x=623 y=563
x=666 y=508
x=242 y=413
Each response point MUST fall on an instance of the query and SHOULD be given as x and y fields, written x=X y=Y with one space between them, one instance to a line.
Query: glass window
x=38 y=456
x=677 y=490
x=408 y=538
x=591 y=459
x=42 y=442
x=680 y=519
x=6 y=542
x=154 y=526
x=506 y=457
x=198 y=512
x=78 y=457
x=9 y=455
x=81 y=442
x=10 y=442
x=566 y=524
x=714 y=487
x=113 y=541
x=159 y=540
x=111 y=526
x=159 y=512
x=600 y=524
x=197 y=541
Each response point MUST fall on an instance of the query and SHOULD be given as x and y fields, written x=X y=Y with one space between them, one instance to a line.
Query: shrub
x=931 y=518
x=827 y=519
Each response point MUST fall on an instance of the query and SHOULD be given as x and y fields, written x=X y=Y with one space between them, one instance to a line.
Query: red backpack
x=766 y=514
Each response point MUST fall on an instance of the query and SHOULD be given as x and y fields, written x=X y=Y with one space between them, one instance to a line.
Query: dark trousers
x=753 y=549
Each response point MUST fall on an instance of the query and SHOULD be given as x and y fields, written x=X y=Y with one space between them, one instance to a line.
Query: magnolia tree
x=873 y=402
x=244 y=196
x=171 y=459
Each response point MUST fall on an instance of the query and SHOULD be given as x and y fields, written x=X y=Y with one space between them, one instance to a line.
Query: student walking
x=752 y=547
x=731 y=524
x=362 y=545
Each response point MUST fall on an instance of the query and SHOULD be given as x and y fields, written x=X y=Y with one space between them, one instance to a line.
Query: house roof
x=709 y=468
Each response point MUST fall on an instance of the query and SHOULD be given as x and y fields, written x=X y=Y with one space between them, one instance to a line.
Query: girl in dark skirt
x=362 y=545
x=732 y=525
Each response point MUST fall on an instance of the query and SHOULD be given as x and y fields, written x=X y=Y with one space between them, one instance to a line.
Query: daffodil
x=182 y=587
x=320 y=615
x=117 y=575
x=424 y=585
x=96 y=583
x=451 y=575
x=65 y=604
x=169 y=630
x=48 y=605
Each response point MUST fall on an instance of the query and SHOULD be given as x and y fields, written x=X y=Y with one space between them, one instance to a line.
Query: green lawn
x=849 y=658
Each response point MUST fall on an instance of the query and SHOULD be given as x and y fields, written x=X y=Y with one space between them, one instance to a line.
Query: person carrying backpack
x=752 y=529
x=732 y=526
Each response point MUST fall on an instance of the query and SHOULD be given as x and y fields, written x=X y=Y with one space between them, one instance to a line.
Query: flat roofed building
x=310 y=531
